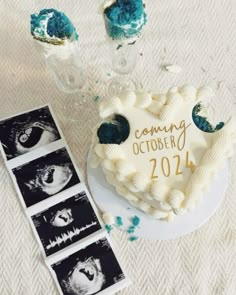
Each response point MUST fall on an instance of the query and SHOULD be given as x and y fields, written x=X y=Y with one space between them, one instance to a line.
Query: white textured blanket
x=197 y=35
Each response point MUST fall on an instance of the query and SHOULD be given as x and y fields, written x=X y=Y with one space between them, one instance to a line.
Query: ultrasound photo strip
x=45 y=177
x=92 y=269
x=70 y=218
x=61 y=212
x=28 y=131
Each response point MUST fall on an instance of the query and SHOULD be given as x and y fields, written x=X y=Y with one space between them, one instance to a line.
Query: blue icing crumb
x=114 y=132
x=119 y=221
x=133 y=238
x=202 y=122
x=96 y=98
x=50 y=24
x=123 y=13
x=135 y=220
x=131 y=229
x=108 y=228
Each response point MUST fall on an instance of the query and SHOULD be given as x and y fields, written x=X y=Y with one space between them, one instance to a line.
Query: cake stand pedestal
x=108 y=200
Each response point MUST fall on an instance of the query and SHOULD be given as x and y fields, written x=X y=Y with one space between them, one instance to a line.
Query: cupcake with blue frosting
x=124 y=19
x=52 y=27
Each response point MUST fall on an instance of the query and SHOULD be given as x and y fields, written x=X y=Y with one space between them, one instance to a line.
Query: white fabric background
x=199 y=35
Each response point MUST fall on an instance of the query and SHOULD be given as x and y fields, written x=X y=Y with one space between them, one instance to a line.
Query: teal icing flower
x=53 y=27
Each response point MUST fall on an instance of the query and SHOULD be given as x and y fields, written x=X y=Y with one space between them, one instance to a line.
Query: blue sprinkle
x=133 y=238
x=96 y=98
x=108 y=228
x=119 y=46
x=135 y=220
x=119 y=221
x=131 y=229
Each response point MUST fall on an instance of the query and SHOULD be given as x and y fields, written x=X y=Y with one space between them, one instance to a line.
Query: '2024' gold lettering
x=166 y=166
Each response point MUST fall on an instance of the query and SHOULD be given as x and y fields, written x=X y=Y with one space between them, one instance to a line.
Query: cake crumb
x=133 y=238
x=108 y=218
x=108 y=228
x=132 y=43
x=131 y=229
x=96 y=98
x=135 y=220
x=119 y=221
x=175 y=69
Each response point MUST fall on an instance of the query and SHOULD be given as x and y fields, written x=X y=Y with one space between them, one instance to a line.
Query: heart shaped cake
x=157 y=150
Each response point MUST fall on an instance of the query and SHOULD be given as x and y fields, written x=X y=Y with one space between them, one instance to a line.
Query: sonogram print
x=66 y=223
x=45 y=176
x=89 y=271
x=27 y=132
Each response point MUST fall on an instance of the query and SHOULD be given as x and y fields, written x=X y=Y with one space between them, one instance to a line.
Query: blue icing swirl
x=125 y=19
x=50 y=25
x=114 y=132
x=202 y=122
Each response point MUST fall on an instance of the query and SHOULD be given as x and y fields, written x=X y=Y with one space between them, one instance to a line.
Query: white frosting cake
x=166 y=162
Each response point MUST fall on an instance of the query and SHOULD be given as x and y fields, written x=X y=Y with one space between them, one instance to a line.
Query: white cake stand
x=108 y=200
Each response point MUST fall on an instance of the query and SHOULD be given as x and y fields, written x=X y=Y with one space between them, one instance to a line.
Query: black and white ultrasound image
x=66 y=223
x=27 y=132
x=89 y=271
x=46 y=176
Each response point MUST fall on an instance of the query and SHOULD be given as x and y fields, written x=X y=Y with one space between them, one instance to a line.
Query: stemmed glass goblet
x=124 y=21
x=63 y=59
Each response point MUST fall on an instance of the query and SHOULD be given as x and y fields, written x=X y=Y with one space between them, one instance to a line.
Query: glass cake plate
x=108 y=200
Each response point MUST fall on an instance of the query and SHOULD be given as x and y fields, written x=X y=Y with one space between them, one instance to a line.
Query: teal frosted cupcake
x=53 y=27
x=124 y=19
